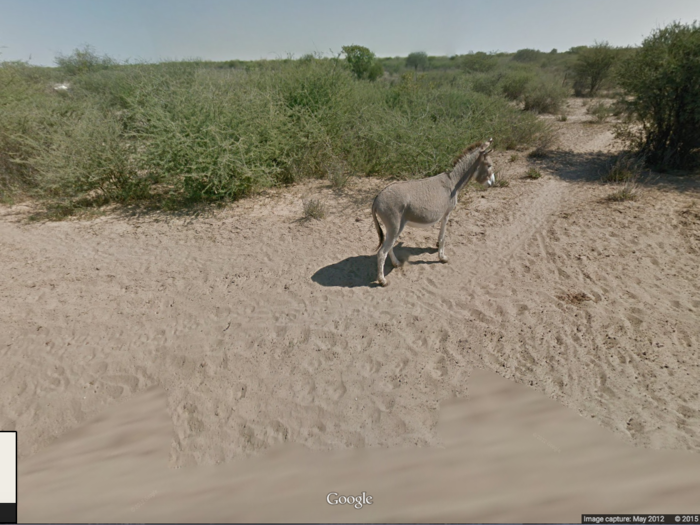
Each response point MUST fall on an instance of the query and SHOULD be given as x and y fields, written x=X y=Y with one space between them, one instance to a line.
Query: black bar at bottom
x=8 y=512
x=647 y=519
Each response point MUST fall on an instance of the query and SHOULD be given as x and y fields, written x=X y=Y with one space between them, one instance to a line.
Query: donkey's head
x=484 y=171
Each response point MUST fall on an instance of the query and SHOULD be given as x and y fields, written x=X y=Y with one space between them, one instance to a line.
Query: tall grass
x=182 y=132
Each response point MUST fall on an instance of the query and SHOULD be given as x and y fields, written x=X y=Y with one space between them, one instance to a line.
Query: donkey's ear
x=486 y=146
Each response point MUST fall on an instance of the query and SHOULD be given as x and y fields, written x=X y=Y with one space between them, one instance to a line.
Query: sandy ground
x=259 y=329
x=506 y=454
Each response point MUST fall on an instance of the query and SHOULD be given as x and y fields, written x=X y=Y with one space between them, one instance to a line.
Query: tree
x=661 y=81
x=592 y=66
x=362 y=62
x=417 y=60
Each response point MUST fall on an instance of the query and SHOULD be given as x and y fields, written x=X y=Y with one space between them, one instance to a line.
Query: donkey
x=424 y=202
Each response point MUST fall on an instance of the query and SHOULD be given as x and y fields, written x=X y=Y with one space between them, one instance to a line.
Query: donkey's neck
x=463 y=171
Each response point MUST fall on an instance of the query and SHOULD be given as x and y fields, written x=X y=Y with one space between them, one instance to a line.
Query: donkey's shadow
x=362 y=269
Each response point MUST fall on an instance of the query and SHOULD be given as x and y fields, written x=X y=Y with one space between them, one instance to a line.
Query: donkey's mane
x=466 y=152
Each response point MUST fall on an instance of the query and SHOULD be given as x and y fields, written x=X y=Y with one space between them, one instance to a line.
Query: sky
x=153 y=30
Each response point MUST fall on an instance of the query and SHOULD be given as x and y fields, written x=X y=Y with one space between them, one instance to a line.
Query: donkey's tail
x=376 y=223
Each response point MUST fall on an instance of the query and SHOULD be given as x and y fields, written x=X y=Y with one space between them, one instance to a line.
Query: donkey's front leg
x=441 y=239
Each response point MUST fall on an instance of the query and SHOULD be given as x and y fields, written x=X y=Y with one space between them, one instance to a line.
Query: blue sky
x=37 y=30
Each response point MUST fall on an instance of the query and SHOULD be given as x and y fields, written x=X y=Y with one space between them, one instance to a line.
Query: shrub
x=661 y=80
x=625 y=167
x=545 y=95
x=479 y=62
x=215 y=137
x=20 y=114
x=83 y=60
x=86 y=153
x=486 y=83
x=628 y=192
x=533 y=173
x=338 y=174
x=314 y=209
x=178 y=133
x=514 y=84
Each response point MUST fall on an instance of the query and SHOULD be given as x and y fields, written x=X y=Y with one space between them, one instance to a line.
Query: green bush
x=86 y=152
x=486 y=83
x=218 y=137
x=479 y=62
x=545 y=95
x=514 y=84
x=527 y=55
x=83 y=60
x=182 y=132
x=661 y=81
x=25 y=104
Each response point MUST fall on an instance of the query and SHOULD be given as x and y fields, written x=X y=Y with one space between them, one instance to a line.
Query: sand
x=506 y=454
x=260 y=330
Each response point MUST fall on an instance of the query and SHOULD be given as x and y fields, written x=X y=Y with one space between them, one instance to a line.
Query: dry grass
x=628 y=193
x=314 y=209
x=544 y=143
x=533 y=173
x=624 y=168
x=575 y=298
x=338 y=175
x=601 y=111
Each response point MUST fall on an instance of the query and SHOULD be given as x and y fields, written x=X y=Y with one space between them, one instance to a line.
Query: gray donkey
x=424 y=202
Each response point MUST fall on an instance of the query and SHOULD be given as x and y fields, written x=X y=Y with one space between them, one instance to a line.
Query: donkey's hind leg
x=381 y=259
x=394 y=260
x=387 y=248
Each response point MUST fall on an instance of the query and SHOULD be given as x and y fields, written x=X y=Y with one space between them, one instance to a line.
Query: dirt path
x=265 y=329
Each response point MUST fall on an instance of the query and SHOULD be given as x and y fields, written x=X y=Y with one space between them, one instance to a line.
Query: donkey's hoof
x=444 y=259
x=384 y=282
